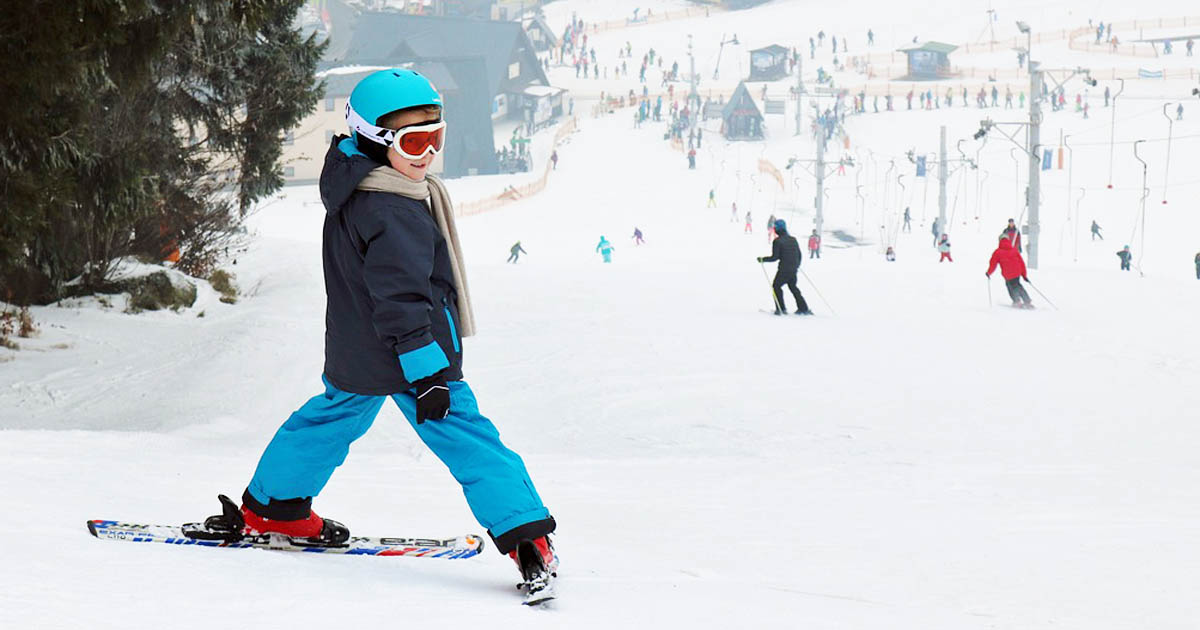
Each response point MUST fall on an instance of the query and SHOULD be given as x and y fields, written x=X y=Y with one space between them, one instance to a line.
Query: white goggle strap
x=378 y=135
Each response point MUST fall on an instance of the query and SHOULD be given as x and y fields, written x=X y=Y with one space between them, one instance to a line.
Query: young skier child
x=515 y=252
x=397 y=307
x=749 y=229
x=1096 y=231
x=712 y=198
x=890 y=255
x=944 y=248
x=1012 y=267
x=786 y=250
x=814 y=245
x=771 y=228
x=637 y=236
x=1126 y=256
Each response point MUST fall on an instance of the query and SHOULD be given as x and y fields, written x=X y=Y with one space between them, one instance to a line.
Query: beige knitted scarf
x=387 y=179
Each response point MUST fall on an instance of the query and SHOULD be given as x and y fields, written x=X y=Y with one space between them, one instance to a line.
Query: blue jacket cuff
x=424 y=361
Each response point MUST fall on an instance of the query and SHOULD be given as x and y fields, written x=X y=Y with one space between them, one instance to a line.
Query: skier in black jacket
x=786 y=250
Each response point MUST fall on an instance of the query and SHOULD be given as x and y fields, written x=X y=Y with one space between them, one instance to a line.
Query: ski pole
x=989 y=283
x=814 y=286
x=767 y=277
x=1039 y=292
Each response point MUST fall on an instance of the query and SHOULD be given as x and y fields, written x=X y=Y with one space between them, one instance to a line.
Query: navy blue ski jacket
x=391 y=314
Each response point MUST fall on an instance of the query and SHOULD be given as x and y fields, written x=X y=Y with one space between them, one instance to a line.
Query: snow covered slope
x=910 y=458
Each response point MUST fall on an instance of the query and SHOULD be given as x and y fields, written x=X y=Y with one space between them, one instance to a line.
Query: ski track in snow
x=918 y=461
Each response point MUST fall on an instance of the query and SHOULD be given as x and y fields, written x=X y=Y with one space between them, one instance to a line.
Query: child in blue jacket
x=397 y=309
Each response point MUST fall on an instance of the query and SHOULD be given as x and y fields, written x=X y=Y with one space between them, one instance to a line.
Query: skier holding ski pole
x=785 y=250
x=1012 y=267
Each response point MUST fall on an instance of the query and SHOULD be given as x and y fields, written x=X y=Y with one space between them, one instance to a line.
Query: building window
x=328 y=136
x=514 y=69
x=329 y=104
x=289 y=171
x=289 y=139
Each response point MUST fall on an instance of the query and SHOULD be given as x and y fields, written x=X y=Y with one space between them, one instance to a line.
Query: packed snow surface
x=917 y=456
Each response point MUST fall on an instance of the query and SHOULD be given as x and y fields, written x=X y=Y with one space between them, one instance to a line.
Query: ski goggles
x=413 y=142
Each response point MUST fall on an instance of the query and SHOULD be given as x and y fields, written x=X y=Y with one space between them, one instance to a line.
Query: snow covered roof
x=774 y=49
x=934 y=47
x=393 y=37
x=543 y=90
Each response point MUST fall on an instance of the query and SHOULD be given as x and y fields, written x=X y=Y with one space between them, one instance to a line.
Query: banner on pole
x=765 y=166
x=921 y=166
x=1047 y=159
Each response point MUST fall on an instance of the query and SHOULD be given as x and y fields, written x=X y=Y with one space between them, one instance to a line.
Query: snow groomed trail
x=921 y=460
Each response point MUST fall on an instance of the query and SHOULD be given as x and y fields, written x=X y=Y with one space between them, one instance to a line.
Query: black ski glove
x=760 y=259
x=433 y=398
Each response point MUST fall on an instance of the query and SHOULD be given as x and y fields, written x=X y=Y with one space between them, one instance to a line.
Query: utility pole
x=943 y=176
x=694 y=95
x=799 y=93
x=820 y=200
x=1035 y=164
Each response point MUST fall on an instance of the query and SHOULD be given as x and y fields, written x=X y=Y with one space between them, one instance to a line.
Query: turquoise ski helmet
x=383 y=92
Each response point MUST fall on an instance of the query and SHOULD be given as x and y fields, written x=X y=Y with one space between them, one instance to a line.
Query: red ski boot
x=538 y=565
x=235 y=523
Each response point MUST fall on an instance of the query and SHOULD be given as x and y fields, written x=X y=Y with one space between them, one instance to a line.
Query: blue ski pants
x=316 y=439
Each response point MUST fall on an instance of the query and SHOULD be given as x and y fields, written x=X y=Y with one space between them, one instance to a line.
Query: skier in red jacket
x=1012 y=267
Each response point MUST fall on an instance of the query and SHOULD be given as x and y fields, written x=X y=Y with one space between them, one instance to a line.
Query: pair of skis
x=537 y=591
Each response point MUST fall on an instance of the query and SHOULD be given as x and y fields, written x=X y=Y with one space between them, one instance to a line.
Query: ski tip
x=92 y=528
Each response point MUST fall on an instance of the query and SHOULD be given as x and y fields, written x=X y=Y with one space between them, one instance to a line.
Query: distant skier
x=907 y=221
x=1012 y=268
x=749 y=229
x=606 y=249
x=786 y=251
x=936 y=228
x=691 y=156
x=771 y=228
x=944 y=248
x=554 y=159
x=1126 y=257
x=637 y=236
x=734 y=216
x=814 y=245
x=515 y=252
x=1198 y=266
x=1096 y=231
x=1013 y=234
x=890 y=255
x=712 y=198
x=1179 y=112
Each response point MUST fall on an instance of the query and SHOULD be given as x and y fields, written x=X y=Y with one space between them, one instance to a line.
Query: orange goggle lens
x=415 y=142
